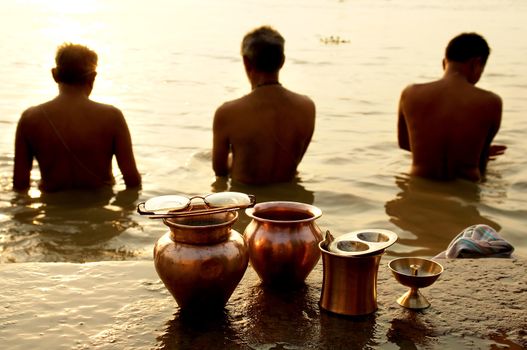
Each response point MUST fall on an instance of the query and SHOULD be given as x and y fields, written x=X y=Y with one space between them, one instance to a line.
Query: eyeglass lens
x=215 y=200
x=166 y=203
x=224 y=199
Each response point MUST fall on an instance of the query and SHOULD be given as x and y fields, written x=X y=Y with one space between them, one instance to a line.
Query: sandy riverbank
x=118 y=305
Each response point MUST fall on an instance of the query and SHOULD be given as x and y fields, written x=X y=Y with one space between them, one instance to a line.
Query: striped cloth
x=478 y=241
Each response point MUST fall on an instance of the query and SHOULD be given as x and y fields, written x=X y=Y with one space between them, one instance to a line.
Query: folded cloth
x=478 y=241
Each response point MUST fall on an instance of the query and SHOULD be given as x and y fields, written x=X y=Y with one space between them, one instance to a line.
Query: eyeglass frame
x=187 y=209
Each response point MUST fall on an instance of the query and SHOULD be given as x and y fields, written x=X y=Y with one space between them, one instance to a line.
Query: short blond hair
x=75 y=63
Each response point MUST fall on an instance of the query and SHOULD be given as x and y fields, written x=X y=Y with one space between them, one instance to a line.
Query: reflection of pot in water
x=201 y=259
x=410 y=332
x=199 y=331
x=357 y=332
x=282 y=318
x=282 y=239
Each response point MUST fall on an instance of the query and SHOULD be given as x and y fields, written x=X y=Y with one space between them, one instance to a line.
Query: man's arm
x=220 y=145
x=124 y=153
x=492 y=151
x=312 y=118
x=23 y=158
x=402 y=128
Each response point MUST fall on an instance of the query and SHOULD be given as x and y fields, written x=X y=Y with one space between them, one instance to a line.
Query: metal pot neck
x=202 y=229
x=284 y=212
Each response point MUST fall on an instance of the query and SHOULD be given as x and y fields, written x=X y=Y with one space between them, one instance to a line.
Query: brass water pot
x=201 y=259
x=282 y=239
x=349 y=285
x=351 y=263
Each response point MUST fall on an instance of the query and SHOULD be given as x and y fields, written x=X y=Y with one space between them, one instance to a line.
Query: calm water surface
x=169 y=64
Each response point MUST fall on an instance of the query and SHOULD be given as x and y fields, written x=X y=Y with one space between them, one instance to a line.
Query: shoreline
x=116 y=305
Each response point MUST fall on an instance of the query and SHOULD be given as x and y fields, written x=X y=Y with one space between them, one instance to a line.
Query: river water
x=169 y=64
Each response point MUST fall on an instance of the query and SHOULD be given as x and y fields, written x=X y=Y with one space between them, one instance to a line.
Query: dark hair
x=466 y=46
x=75 y=63
x=264 y=48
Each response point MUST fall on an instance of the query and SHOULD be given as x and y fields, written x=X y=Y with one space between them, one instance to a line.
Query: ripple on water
x=73 y=227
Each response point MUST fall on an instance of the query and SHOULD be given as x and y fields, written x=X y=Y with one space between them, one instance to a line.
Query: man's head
x=263 y=50
x=76 y=65
x=469 y=50
x=466 y=46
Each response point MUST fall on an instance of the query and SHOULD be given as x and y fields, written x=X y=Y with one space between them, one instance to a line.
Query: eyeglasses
x=174 y=205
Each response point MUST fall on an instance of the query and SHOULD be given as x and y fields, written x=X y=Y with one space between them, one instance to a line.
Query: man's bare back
x=262 y=137
x=73 y=140
x=268 y=132
x=449 y=124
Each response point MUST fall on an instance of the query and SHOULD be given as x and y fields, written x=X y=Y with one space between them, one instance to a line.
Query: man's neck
x=267 y=83
x=69 y=90
x=264 y=79
x=457 y=71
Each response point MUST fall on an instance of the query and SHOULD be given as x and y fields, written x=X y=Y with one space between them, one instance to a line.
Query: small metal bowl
x=415 y=273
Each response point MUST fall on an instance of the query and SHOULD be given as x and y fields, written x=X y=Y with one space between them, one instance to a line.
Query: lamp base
x=413 y=299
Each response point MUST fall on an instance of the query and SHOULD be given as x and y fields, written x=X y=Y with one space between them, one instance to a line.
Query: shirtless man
x=73 y=138
x=261 y=137
x=449 y=124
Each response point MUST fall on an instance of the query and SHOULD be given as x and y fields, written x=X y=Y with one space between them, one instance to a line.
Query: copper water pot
x=282 y=239
x=201 y=259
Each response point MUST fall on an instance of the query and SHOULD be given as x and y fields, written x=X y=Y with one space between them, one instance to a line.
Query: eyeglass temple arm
x=187 y=213
x=142 y=210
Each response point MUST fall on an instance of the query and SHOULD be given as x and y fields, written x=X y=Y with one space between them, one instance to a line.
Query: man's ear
x=54 y=74
x=443 y=63
x=481 y=63
x=91 y=78
x=282 y=63
x=476 y=69
x=247 y=63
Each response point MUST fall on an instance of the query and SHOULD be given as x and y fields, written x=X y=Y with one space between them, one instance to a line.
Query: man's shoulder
x=105 y=108
x=303 y=98
x=32 y=113
x=106 y=114
x=250 y=100
x=306 y=102
x=488 y=96
x=233 y=103
x=230 y=106
x=418 y=87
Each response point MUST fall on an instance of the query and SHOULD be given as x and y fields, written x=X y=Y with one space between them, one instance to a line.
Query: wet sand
x=123 y=305
x=169 y=75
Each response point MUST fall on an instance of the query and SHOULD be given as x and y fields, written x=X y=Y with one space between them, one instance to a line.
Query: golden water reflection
x=73 y=226
x=434 y=212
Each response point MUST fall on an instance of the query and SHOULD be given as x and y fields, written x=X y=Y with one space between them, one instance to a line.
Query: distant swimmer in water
x=72 y=137
x=449 y=124
x=261 y=137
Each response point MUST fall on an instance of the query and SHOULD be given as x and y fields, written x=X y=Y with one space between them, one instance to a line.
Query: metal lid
x=362 y=242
